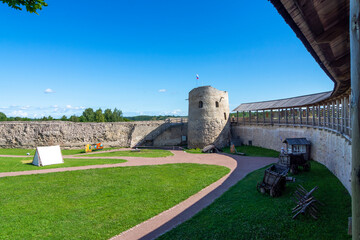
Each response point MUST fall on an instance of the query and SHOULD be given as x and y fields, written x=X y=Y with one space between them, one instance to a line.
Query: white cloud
x=69 y=107
x=19 y=113
x=176 y=112
x=49 y=90
x=162 y=90
x=25 y=107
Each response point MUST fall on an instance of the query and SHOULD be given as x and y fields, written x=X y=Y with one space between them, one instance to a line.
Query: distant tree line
x=89 y=115
x=151 y=118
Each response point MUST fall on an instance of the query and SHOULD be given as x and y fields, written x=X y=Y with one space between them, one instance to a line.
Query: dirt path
x=239 y=167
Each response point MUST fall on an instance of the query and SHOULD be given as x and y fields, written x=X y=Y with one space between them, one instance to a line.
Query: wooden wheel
x=294 y=169
x=260 y=188
x=283 y=184
x=274 y=192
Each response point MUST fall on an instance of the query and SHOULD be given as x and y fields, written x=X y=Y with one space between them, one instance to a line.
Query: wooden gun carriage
x=274 y=180
x=293 y=161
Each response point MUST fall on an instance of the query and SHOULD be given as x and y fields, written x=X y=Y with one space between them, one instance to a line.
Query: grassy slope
x=243 y=213
x=254 y=151
x=95 y=204
x=151 y=153
x=22 y=151
x=13 y=164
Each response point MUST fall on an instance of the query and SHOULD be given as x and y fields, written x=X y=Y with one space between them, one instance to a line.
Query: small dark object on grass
x=306 y=203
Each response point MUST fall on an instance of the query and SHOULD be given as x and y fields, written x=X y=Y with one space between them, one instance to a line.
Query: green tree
x=108 y=115
x=89 y=115
x=117 y=115
x=63 y=118
x=82 y=119
x=31 y=5
x=74 y=118
x=99 y=117
x=3 y=117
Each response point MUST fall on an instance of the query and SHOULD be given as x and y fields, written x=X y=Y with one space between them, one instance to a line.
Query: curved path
x=239 y=167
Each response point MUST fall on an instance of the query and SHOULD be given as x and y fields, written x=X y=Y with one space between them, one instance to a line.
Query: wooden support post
x=286 y=116
x=249 y=117
x=355 y=114
x=325 y=115
x=257 y=116
x=307 y=115
x=313 y=115
x=333 y=115
x=300 y=115
x=345 y=115
x=243 y=117
x=271 y=116
x=279 y=115
x=342 y=116
x=337 y=115
x=264 y=116
x=329 y=115
x=237 y=116
x=293 y=115
x=319 y=115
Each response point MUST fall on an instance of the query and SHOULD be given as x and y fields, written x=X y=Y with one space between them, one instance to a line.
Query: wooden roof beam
x=333 y=32
x=341 y=61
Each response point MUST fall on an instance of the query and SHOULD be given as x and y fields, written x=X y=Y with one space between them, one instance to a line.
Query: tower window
x=200 y=104
x=216 y=104
x=225 y=116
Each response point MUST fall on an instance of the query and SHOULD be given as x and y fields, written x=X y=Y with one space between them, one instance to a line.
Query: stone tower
x=208 y=117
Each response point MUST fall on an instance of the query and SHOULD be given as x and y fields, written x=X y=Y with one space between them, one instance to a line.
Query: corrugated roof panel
x=284 y=103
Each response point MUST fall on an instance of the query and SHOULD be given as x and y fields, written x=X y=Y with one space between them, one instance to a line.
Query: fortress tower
x=208 y=117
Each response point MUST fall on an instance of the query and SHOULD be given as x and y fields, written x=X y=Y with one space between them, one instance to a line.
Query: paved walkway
x=239 y=167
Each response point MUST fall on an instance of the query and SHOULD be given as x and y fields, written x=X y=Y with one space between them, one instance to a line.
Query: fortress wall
x=328 y=148
x=74 y=135
x=172 y=136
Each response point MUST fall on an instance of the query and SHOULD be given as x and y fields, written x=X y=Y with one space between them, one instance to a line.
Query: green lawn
x=151 y=153
x=23 y=151
x=244 y=213
x=97 y=203
x=254 y=151
x=13 y=164
x=194 y=150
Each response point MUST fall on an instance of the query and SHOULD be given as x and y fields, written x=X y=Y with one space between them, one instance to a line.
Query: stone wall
x=328 y=148
x=172 y=136
x=74 y=135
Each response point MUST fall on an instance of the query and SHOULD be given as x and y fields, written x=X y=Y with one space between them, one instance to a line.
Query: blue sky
x=142 y=56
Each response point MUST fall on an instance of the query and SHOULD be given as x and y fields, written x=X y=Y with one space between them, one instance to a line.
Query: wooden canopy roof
x=323 y=27
x=284 y=103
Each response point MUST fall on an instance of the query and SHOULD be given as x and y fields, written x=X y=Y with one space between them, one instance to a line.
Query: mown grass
x=98 y=203
x=194 y=150
x=244 y=213
x=24 y=151
x=151 y=153
x=254 y=151
x=13 y=164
